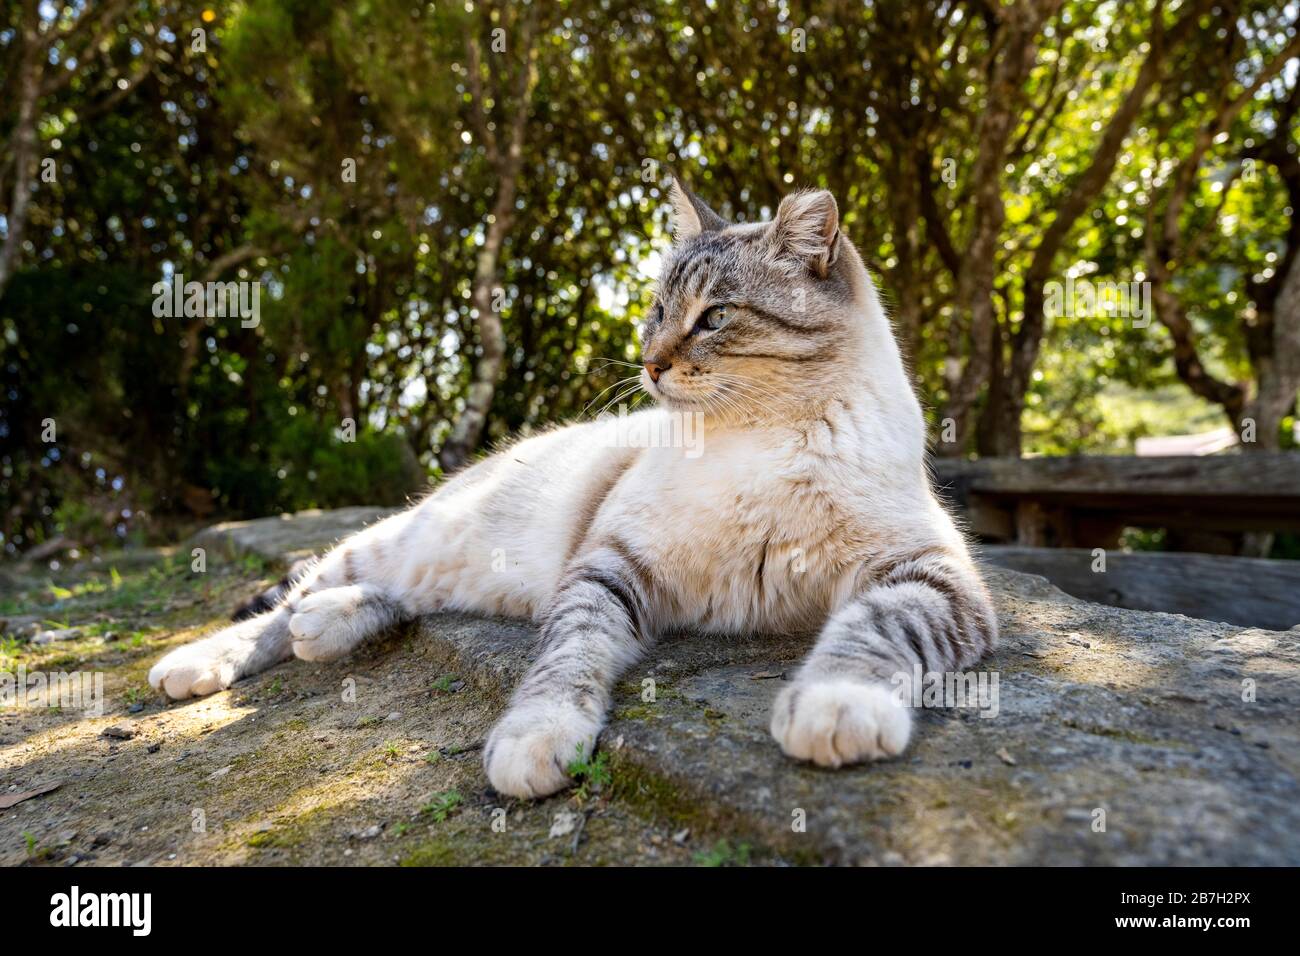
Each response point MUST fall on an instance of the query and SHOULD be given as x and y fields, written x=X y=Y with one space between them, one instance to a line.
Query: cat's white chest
x=755 y=533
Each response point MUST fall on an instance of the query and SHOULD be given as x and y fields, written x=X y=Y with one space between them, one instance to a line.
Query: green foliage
x=241 y=151
x=723 y=853
x=592 y=774
x=442 y=805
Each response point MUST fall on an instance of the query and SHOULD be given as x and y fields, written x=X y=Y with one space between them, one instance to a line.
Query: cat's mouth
x=662 y=392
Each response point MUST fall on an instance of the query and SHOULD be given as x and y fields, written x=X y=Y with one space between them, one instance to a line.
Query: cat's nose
x=656 y=369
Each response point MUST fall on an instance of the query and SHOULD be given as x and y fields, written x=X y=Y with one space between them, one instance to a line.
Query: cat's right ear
x=691 y=216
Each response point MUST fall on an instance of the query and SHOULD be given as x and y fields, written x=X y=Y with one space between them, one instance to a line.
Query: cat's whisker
x=618 y=397
x=739 y=392
x=610 y=361
x=619 y=384
x=754 y=391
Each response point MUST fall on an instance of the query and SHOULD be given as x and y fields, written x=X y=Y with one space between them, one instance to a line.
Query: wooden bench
x=1087 y=501
x=1251 y=592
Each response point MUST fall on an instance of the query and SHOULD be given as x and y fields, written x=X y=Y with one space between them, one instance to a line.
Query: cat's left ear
x=691 y=216
x=807 y=229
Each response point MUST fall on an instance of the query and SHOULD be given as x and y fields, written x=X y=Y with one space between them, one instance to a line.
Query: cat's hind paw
x=193 y=670
x=329 y=624
x=323 y=625
x=529 y=752
x=836 y=722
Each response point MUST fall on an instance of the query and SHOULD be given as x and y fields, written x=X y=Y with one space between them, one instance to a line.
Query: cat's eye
x=712 y=319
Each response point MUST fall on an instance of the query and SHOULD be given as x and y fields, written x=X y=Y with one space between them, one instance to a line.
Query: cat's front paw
x=529 y=751
x=837 y=722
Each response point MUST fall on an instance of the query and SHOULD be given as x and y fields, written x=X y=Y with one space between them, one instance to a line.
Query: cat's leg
x=845 y=705
x=333 y=605
x=329 y=623
x=595 y=629
x=214 y=663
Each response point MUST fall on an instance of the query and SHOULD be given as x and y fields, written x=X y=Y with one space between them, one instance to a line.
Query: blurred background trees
x=454 y=212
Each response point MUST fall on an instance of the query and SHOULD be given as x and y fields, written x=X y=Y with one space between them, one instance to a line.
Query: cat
x=807 y=505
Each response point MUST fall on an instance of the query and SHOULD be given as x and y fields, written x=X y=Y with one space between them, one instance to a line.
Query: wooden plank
x=1252 y=592
x=1246 y=475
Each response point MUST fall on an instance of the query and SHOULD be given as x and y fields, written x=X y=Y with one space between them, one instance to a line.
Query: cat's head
x=763 y=317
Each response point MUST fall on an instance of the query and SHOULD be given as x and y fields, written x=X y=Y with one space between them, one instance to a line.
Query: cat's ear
x=807 y=229
x=690 y=214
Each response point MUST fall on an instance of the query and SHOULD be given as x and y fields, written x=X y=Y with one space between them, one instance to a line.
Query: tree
x=1235 y=118
x=61 y=52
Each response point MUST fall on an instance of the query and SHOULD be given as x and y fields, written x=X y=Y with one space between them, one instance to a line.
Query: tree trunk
x=1017 y=38
x=24 y=146
x=472 y=422
x=1277 y=374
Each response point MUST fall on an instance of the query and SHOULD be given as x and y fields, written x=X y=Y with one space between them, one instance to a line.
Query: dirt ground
x=372 y=760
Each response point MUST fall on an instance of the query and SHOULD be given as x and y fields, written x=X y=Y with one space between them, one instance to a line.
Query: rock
x=369 y=833
x=1125 y=724
x=1099 y=746
x=286 y=538
x=117 y=732
x=564 y=823
x=57 y=636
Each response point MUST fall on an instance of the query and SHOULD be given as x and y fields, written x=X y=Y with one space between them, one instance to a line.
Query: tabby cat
x=808 y=505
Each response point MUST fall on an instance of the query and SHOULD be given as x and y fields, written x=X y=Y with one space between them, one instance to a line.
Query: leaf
x=10 y=799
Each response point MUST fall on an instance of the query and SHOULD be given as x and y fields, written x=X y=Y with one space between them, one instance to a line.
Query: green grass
x=724 y=854
x=443 y=805
x=591 y=775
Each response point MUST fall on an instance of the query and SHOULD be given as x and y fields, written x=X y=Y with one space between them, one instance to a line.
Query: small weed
x=35 y=852
x=592 y=775
x=443 y=805
x=444 y=684
x=724 y=854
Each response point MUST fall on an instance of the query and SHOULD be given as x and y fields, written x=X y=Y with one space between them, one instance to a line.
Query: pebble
x=55 y=636
x=563 y=824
